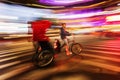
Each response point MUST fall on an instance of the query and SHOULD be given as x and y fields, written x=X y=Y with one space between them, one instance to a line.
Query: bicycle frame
x=69 y=42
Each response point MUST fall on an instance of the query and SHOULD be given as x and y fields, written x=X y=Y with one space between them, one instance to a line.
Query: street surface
x=99 y=60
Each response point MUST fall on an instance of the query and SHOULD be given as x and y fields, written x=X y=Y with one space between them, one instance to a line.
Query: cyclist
x=39 y=28
x=64 y=33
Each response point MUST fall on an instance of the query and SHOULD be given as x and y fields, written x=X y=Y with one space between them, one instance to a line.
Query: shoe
x=69 y=53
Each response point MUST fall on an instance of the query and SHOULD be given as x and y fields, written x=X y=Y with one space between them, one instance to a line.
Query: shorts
x=65 y=41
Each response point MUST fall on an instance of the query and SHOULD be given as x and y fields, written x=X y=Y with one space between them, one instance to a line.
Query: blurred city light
x=21 y=12
x=8 y=17
x=15 y=18
x=62 y=2
x=113 y=18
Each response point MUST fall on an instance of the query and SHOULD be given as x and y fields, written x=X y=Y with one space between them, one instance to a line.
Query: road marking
x=12 y=63
x=108 y=46
x=101 y=48
x=12 y=73
x=102 y=52
x=14 y=57
x=15 y=50
x=98 y=64
x=102 y=65
x=102 y=57
x=16 y=53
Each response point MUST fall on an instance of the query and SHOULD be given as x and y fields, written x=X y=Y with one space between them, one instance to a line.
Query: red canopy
x=39 y=30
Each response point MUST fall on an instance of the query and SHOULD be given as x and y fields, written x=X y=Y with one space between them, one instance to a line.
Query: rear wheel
x=76 y=48
x=43 y=58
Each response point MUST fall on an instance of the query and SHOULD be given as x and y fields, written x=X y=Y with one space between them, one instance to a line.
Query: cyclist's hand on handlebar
x=72 y=34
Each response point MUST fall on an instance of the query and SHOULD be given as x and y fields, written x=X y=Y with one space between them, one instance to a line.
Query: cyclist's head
x=63 y=25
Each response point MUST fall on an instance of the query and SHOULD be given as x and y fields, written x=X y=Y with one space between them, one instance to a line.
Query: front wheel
x=43 y=58
x=76 y=48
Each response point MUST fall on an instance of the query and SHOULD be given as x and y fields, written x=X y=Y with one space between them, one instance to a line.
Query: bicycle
x=43 y=58
x=74 y=46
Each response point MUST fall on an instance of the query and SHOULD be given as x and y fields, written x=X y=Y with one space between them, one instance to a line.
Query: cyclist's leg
x=36 y=45
x=67 y=46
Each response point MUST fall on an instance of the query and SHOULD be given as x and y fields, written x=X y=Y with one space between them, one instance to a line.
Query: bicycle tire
x=43 y=58
x=34 y=57
x=76 y=48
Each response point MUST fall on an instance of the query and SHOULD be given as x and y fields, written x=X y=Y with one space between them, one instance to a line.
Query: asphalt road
x=99 y=60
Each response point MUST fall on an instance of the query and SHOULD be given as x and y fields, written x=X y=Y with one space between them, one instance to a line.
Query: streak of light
x=102 y=65
x=43 y=6
x=9 y=17
x=25 y=67
x=62 y=2
x=15 y=50
x=82 y=19
x=103 y=3
x=102 y=57
x=85 y=15
x=87 y=30
x=13 y=63
x=115 y=30
x=103 y=52
x=115 y=26
x=13 y=27
x=113 y=18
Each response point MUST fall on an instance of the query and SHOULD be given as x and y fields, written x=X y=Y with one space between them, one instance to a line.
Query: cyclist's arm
x=64 y=32
x=67 y=33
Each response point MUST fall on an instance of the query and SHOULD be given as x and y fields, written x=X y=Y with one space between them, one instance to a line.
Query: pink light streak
x=62 y=2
